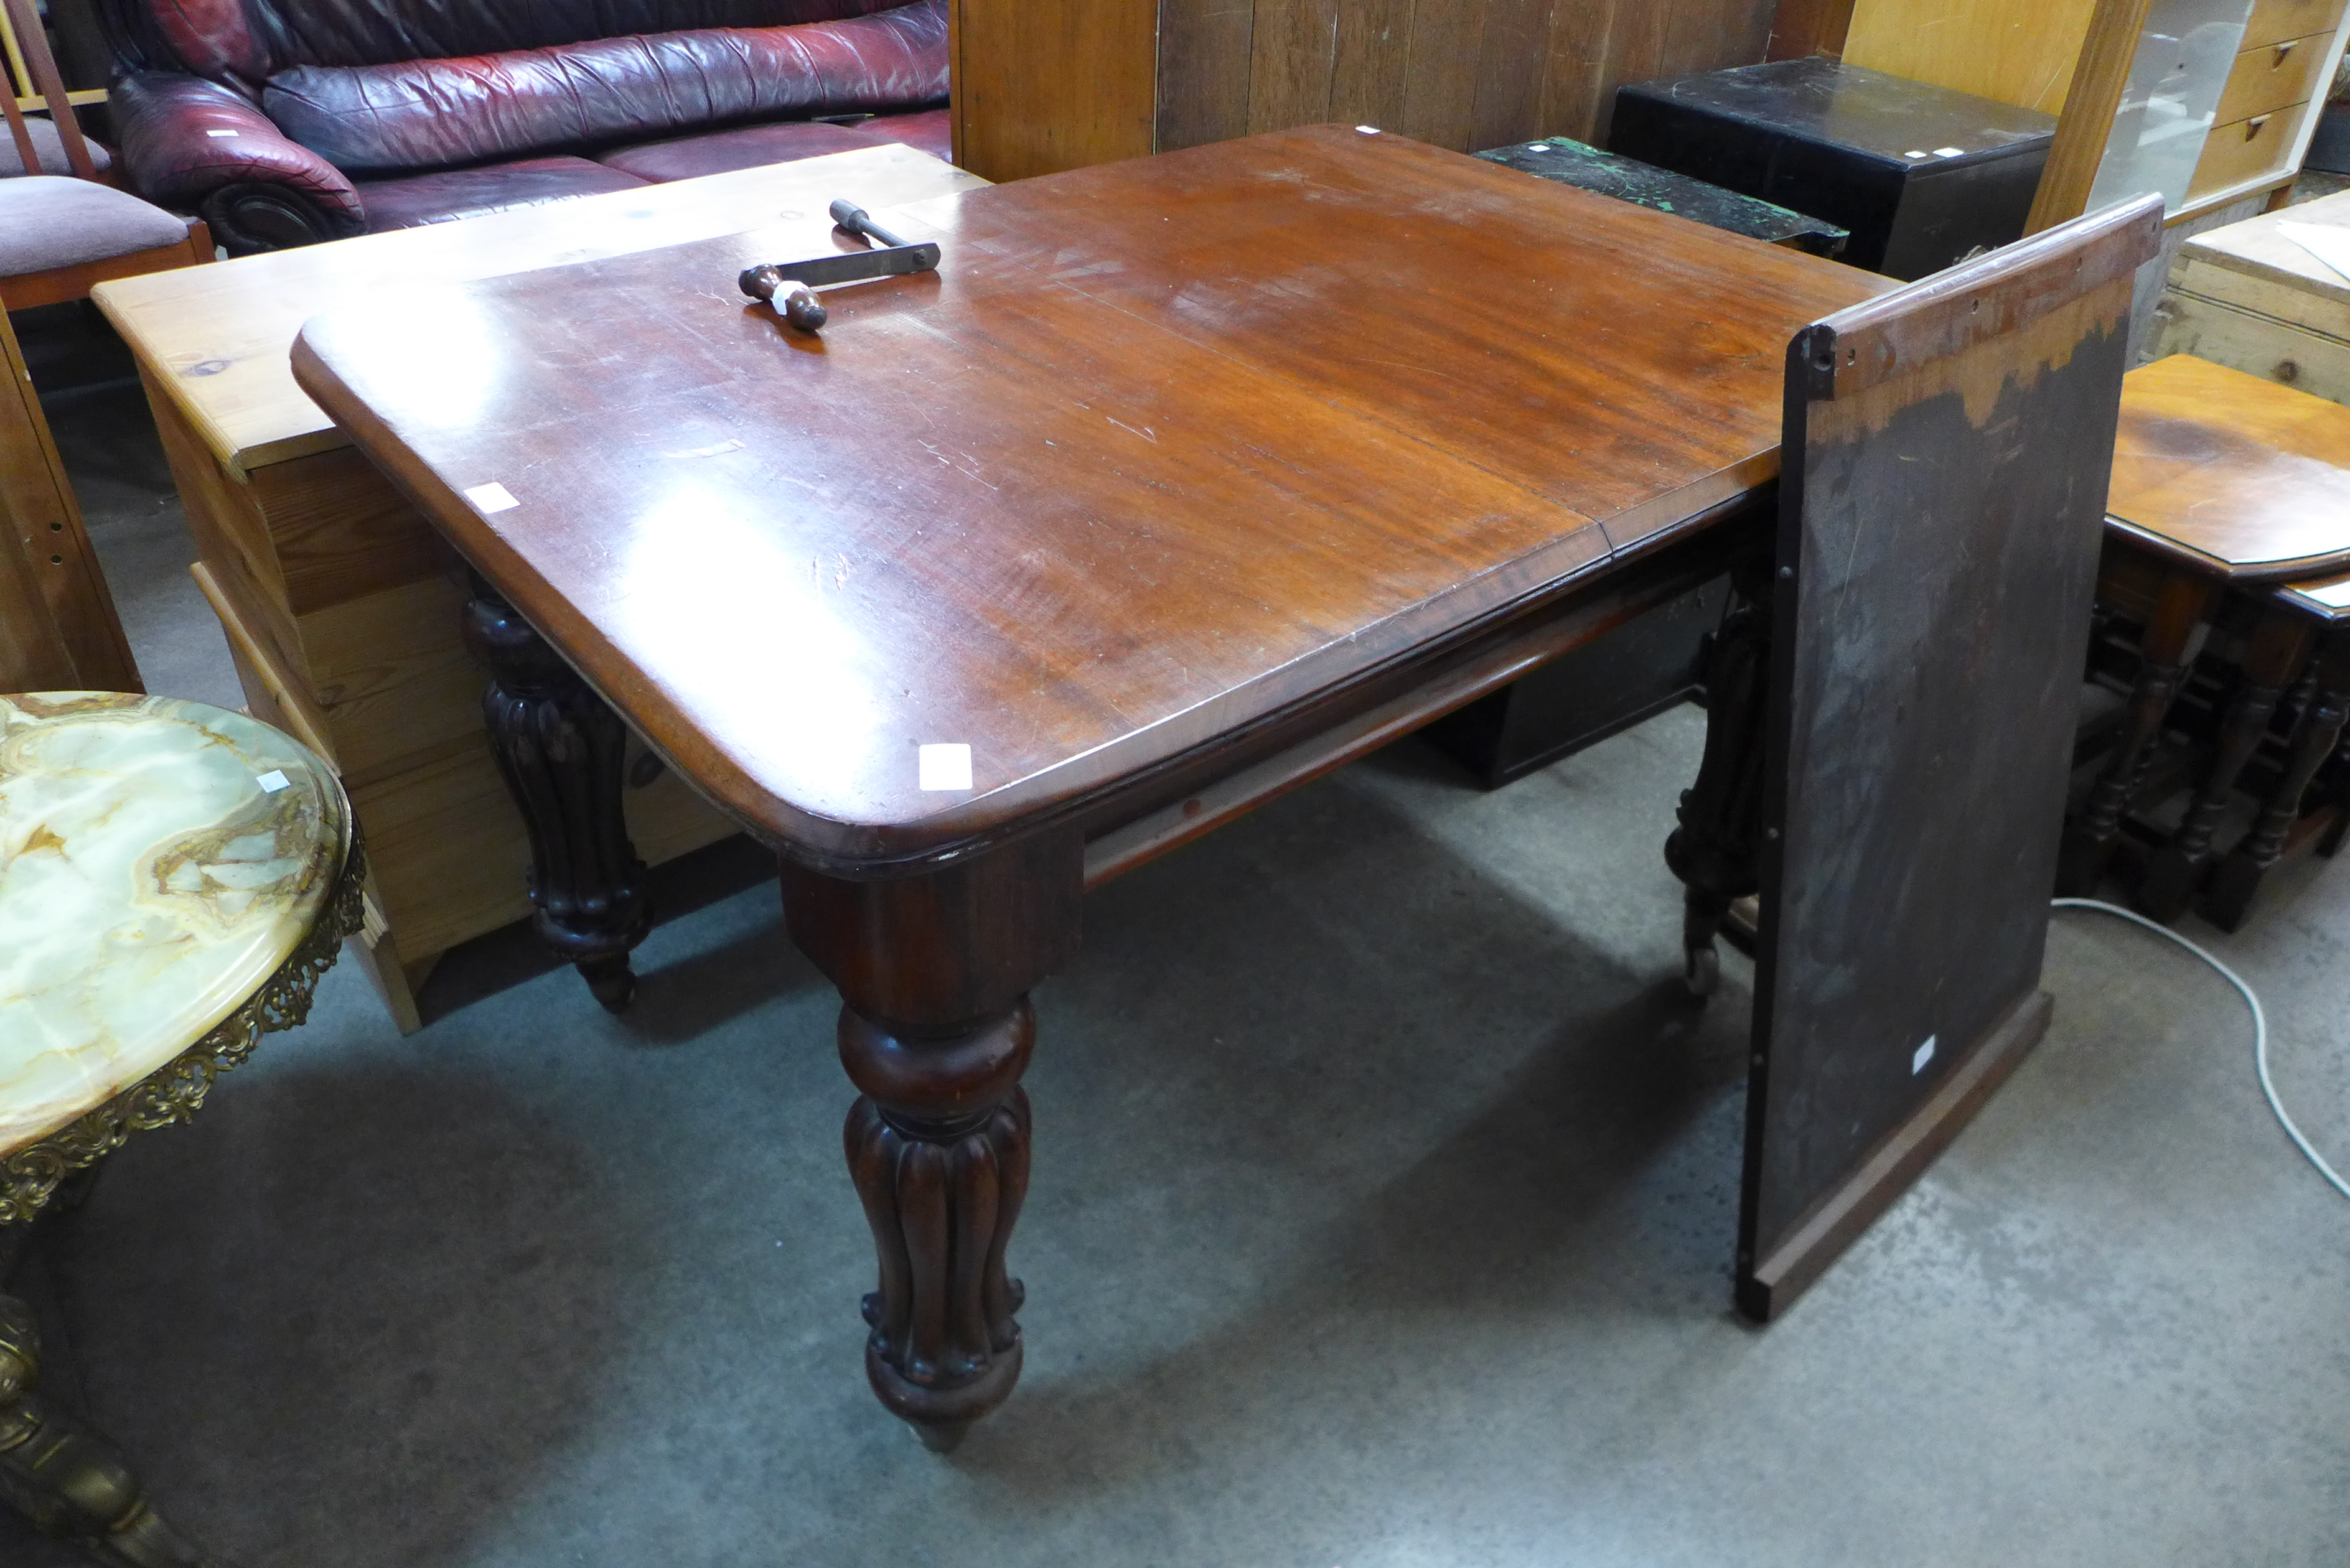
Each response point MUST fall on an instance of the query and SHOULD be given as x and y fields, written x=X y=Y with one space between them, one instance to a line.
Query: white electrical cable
x=2259 y=1026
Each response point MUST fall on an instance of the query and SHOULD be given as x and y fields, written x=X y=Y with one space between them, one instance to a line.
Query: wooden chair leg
x=2172 y=633
x=2273 y=657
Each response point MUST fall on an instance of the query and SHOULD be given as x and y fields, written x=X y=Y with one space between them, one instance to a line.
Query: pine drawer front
x=2259 y=345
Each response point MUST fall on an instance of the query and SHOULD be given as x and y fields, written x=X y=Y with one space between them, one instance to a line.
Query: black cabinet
x=1921 y=175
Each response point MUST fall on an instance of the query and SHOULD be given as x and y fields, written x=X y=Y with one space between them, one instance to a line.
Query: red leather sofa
x=283 y=122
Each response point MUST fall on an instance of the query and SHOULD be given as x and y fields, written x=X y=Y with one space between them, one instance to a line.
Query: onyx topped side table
x=174 y=880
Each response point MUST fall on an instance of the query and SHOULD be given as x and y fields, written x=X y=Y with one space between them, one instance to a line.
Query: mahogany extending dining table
x=1181 y=482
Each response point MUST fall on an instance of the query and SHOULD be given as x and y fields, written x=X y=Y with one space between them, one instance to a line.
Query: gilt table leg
x=934 y=972
x=2273 y=656
x=1713 y=851
x=67 y=1480
x=560 y=748
x=2238 y=880
x=2170 y=633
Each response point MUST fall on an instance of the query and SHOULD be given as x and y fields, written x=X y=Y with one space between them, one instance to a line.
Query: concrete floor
x=1383 y=1200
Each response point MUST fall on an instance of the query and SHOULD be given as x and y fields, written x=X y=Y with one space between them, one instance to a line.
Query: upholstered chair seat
x=48 y=221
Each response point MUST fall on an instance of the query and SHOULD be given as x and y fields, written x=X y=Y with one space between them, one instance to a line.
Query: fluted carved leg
x=560 y=748
x=2278 y=644
x=2171 y=636
x=1715 y=849
x=66 y=1477
x=2232 y=888
x=934 y=972
x=938 y=1147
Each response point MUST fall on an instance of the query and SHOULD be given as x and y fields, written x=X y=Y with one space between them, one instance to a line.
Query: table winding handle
x=858 y=221
x=794 y=301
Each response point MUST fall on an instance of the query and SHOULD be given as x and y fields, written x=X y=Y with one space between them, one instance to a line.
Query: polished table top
x=1163 y=447
x=2232 y=475
x=214 y=338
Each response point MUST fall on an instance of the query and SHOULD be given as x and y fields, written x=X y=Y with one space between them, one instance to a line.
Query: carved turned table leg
x=560 y=748
x=934 y=972
x=69 y=1481
x=2278 y=643
x=1714 y=849
x=2238 y=880
x=2178 y=616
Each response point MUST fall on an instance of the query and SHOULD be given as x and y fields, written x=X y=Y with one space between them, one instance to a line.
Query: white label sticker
x=946 y=766
x=220 y=133
x=492 y=497
x=1950 y=152
x=1916 y=154
x=1923 y=1055
x=272 y=781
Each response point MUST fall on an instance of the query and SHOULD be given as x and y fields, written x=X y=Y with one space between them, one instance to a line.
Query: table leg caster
x=1701 y=971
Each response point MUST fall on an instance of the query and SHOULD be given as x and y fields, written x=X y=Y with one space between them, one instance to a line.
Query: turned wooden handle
x=2253 y=126
x=2287 y=47
x=794 y=301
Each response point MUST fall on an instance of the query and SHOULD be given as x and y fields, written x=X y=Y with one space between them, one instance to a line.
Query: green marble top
x=159 y=860
x=1571 y=163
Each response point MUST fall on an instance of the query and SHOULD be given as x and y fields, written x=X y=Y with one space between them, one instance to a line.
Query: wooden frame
x=56 y=286
x=32 y=64
x=2100 y=75
x=2003 y=50
x=58 y=631
x=21 y=72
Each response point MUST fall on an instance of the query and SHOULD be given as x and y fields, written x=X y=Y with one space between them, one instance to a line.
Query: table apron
x=1194 y=794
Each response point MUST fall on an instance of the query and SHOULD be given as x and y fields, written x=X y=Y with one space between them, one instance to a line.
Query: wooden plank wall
x=1464 y=73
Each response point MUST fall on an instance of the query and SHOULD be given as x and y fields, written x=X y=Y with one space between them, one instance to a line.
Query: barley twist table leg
x=2233 y=886
x=2274 y=656
x=2168 y=644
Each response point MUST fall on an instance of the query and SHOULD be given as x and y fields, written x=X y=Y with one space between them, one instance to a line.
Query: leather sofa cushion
x=476 y=192
x=242 y=42
x=428 y=113
x=688 y=157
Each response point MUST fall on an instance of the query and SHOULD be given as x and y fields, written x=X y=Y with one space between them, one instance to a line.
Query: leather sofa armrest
x=193 y=145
